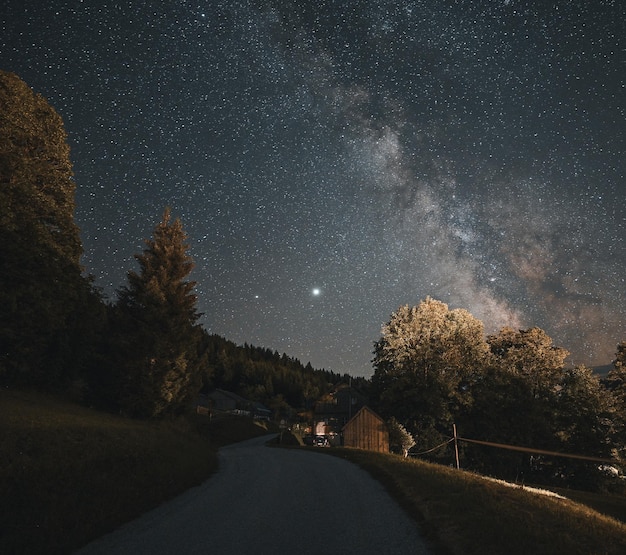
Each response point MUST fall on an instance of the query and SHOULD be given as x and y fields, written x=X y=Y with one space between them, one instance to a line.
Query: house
x=220 y=400
x=227 y=401
x=260 y=411
x=366 y=430
x=336 y=408
x=333 y=411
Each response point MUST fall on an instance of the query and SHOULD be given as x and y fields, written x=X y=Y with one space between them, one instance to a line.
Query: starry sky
x=333 y=160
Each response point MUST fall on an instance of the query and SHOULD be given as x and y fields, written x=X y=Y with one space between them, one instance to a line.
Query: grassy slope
x=465 y=514
x=69 y=474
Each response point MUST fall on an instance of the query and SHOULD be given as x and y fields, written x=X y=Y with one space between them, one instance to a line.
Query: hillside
x=69 y=474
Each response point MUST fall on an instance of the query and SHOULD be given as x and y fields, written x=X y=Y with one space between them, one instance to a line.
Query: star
x=473 y=154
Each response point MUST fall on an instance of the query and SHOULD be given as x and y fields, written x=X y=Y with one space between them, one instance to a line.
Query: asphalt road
x=272 y=501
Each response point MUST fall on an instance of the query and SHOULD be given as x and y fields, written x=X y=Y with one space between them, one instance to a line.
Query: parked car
x=321 y=441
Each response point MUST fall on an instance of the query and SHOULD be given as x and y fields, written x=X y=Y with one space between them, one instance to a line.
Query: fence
x=456 y=438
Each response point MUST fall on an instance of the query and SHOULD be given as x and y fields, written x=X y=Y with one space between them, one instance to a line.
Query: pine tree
x=42 y=291
x=157 y=317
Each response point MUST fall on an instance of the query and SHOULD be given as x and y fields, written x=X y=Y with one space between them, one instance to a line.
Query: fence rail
x=456 y=438
x=536 y=451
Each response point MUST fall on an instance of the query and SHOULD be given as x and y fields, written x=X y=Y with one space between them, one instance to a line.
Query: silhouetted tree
x=585 y=425
x=45 y=303
x=159 y=368
x=615 y=383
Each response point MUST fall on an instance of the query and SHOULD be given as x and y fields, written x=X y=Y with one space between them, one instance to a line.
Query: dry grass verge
x=462 y=513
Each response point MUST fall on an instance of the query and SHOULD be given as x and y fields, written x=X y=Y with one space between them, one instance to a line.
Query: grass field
x=69 y=474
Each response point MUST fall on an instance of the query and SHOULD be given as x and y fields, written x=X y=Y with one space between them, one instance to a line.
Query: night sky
x=334 y=161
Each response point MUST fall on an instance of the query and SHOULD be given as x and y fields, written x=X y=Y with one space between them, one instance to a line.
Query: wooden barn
x=366 y=430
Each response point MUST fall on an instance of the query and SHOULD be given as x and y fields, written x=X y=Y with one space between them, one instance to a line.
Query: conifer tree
x=156 y=315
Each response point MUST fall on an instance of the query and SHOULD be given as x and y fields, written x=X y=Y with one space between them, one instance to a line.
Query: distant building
x=366 y=430
x=333 y=411
x=220 y=400
x=227 y=401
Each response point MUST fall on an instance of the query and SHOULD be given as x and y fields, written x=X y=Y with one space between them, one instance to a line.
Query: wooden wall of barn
x=366 y=430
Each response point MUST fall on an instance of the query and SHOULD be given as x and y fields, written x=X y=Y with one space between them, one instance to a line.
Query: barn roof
x=358 y=415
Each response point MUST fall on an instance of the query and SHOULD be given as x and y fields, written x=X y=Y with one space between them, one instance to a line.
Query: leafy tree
x=425 y=364
x=158 y=347
x=616 y=378
x=531 y=355
x=522 y=384
x=584 y=425
x=37 y=188
x=615 y=383
x=516 y=401
x=620 y=356
x=400 y=439
x=45 y=303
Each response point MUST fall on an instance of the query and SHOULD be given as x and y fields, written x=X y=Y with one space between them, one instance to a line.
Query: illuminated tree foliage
x=42 y=292
x=433 y=368
x=529 y=354
x=425 y=364
x=515 y=401
x=400 y=440
x=157 y=335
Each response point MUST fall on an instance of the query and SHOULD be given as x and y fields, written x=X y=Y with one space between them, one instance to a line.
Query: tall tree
x=42 y=292
x=425 y=363
x=585 y=425
x=159 y=362
x=529 y=354
x=615 y=382
x=517 y=400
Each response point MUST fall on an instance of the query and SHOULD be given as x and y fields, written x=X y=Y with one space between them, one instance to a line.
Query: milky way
x=331 y=161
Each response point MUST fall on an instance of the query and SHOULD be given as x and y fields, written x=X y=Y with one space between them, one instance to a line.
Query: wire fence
x=433 y=449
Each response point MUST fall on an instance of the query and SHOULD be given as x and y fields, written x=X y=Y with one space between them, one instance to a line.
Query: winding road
x=272 y=501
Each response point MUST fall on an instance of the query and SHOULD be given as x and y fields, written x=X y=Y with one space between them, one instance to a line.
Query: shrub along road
x=272 y=501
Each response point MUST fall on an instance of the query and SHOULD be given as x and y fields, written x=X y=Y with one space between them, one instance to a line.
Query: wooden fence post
x=456 y=447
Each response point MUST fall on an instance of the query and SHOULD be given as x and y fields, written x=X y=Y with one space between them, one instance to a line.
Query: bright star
x=316 y=291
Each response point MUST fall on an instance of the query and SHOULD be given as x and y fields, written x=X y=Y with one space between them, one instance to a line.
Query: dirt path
x=273 y=501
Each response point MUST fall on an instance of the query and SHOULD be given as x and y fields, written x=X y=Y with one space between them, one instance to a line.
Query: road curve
x=272 y=501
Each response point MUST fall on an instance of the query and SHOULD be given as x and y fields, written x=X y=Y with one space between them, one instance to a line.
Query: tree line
x=145 y=354
x=434 y=368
